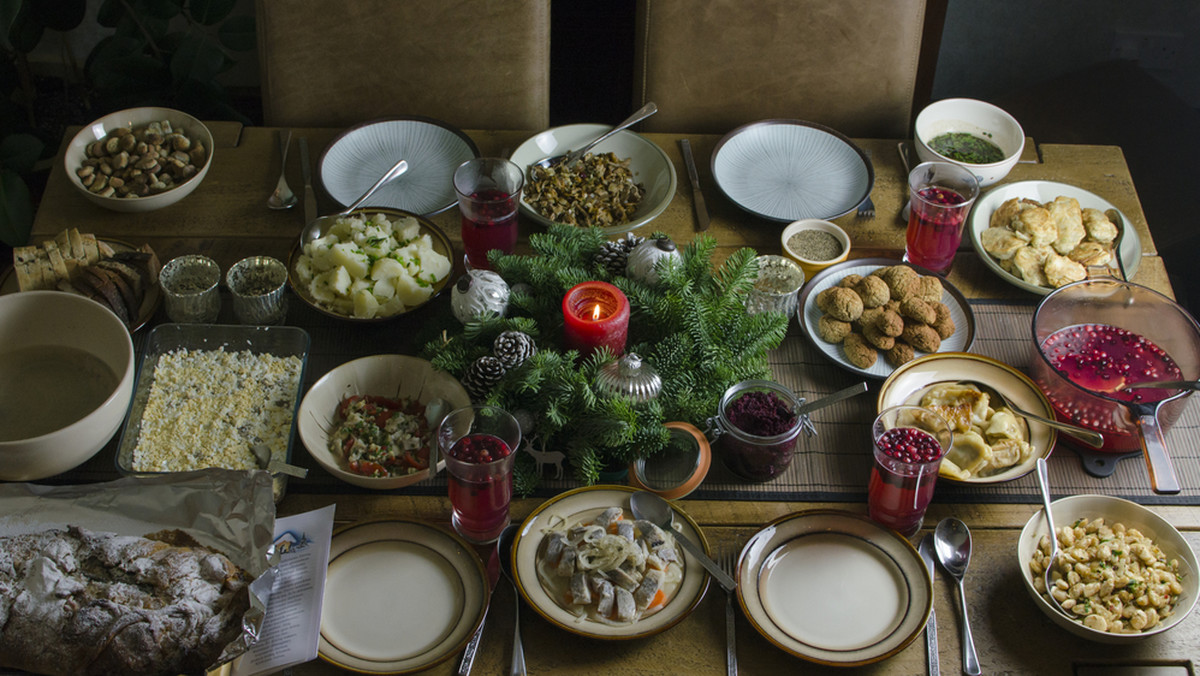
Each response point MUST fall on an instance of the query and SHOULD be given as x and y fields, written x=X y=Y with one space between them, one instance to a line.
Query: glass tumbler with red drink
x=940 y=195
x=479 y=444
x=909 y=443
x=489 y=192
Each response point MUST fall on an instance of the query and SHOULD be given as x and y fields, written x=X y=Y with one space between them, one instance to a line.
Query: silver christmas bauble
x=477 y=294
x=645 y=256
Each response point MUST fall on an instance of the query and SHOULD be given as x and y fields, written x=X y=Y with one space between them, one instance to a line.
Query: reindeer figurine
x=544 y=457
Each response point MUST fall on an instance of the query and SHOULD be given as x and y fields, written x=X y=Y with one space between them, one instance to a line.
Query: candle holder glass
x=595 y=315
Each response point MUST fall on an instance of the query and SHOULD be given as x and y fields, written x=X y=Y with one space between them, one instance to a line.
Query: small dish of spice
x=815 y=244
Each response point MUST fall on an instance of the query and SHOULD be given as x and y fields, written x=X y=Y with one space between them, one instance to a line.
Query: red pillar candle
x=595 y=314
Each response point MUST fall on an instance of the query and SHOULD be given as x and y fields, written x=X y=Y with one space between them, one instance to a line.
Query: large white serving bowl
x=977 y=118
x=1114 y=510
x=50 y=319
x=650 y=166
x=134 y=118
x=389 y=375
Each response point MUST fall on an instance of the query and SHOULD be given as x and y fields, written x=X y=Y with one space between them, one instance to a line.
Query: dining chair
x=851 y=65
x=475 y=65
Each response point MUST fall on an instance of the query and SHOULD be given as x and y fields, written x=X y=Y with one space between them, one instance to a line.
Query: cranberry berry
x=479 y=448
x=908 y=444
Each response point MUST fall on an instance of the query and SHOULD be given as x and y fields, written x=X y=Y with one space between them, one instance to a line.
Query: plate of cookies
x=871 y=315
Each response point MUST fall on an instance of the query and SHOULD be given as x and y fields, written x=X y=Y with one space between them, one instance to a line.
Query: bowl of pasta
x=371 y=421
x=1128 y=574
x=371 y=265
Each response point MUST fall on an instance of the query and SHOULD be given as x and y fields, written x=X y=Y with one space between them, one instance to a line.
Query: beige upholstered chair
x=712 y=66
x=335 y=63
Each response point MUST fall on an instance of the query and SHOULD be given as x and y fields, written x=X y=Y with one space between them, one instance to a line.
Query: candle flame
x=596 y=312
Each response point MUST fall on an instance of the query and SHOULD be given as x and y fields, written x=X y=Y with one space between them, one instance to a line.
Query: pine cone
x=513 y=347
x=482 y=376
x=613 y=255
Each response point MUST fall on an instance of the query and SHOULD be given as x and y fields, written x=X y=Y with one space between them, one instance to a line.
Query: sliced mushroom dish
x=597 y=190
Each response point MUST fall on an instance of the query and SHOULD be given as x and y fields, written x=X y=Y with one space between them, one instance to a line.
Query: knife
x=931 y=643
x=697 y=197
x=310 y=197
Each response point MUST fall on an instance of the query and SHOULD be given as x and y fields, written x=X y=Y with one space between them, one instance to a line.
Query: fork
x=728 y=563
x=867 y=208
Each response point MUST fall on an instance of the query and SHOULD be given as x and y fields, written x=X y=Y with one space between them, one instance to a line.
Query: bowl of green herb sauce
x=975 y=135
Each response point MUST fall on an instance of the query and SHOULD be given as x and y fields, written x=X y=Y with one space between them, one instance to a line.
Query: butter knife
x=697 y=197
x=931 y=642
x=310 y=197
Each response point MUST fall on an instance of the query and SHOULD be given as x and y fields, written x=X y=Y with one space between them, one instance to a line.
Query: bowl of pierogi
x=993 y=443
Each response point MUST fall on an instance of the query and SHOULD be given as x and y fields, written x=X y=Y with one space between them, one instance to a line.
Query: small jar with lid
x=757 y=427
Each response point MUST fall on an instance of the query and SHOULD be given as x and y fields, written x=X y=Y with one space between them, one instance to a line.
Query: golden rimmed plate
x=400 y=596
x=960 y=312
x=584 y=504
x=834 y=587
x=909 y=383
x=1045 y=191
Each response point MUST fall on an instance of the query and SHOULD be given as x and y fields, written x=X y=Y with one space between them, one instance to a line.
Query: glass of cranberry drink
x=479 y=444
x=489 y=191
x=908 y=442
x=941 y=195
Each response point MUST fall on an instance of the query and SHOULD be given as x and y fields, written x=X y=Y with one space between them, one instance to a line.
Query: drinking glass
x=189 y=284
x=489 y=191
x=941 y=195
x=909 y=443
x=479 y=444
x=257 y=285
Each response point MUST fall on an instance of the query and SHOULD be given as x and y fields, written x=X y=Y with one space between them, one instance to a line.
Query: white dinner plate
x=400 y=596
x=960 y=312
x=833 y=587
x=1046 y=191
x=913 y=380
x=584 y=504
x=360 y=155
x=786 y=170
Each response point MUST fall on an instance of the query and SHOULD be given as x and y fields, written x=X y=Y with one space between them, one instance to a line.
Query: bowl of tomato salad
x=370 y=422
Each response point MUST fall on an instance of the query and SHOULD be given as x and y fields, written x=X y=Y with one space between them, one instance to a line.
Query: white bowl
x=972 y=117
x=391 y=375
x=810 y=266
x=1070 y=509
x=61 y=322
x=133 y=118
x=650 y=166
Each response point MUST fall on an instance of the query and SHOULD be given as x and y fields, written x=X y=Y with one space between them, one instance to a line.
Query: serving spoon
x=952 y=539
x=1164 y=385
x=313 y=230
x=569 y=158
x=654 y=509
x=1044 y=485
x=266 y=460
x=283 y=197
x=1090 y=437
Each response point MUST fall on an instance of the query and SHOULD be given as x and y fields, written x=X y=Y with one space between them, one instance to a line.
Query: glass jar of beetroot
x=757 y=427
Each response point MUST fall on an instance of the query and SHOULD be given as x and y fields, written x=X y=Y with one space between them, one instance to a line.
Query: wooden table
x=226 y=218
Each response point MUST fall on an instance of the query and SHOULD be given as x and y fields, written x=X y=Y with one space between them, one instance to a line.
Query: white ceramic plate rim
x=888 y=543
x=911 y=381
x=383 y=374
x=624 y=144
x=455 y=551
x=1046 y=191
x=565 y=505
x=766 y=169
x=1153 y=526
x=433 y=152
x=960 y=312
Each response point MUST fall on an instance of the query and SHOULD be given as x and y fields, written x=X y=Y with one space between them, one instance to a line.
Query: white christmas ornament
x=479 y=293
x=645 y=256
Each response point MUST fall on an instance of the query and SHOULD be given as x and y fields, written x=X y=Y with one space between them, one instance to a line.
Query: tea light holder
x=595 y=315
x=777 y=286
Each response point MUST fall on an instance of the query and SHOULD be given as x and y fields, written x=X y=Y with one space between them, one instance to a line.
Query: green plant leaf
x=16 y=209
x=238 y=34
x=159 y=9
x=60 y=15
x=210 y=12
x=110 y=12
x=19 y=152
x=26 y=31
x=197 y=59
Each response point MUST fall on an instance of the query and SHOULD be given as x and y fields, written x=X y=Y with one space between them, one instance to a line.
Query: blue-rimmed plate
x=360 y=155
x=786 y=170
x=834 y=587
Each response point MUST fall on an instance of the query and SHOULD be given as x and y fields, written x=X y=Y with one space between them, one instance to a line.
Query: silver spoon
x=266 y=460
x=654 y=509
x=571 y=157
x=504 y=547
x=1090 y=437
x=313 y=230
x=1164 y=385
x=283 y=197
x=1044 y=484
x=953 y=541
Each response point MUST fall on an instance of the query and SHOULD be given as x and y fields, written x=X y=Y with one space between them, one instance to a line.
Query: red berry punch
x=478 y=443
x=905 y=471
